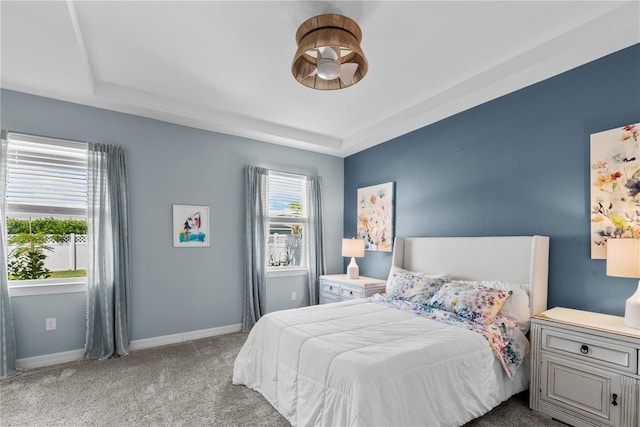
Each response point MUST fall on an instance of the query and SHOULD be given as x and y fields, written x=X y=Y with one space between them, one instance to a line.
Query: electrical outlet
x=50 y=324
x=293 y=296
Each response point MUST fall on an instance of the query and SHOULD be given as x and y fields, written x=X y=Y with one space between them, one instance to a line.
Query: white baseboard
x=75 y=355
x=182 y=337
x=49 y=359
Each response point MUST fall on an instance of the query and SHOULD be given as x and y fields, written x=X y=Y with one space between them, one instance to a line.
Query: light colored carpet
x=187 y=384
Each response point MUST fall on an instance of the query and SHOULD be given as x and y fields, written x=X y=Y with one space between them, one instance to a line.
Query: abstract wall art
x=190 y=226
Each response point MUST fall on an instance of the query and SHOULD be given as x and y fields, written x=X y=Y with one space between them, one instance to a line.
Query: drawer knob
x=615 y=398
x=584 y=349
x=350 y=292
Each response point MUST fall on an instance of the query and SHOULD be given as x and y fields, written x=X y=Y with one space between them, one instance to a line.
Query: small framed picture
x=190 y=226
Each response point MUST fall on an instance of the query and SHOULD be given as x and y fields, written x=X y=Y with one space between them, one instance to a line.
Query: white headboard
x=513 y=259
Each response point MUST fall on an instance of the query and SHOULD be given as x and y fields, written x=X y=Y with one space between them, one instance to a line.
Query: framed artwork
x=375 y=217
x=615 y=187
x=190 y=226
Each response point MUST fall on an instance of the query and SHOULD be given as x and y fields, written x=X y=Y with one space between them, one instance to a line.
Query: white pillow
x=516 y=306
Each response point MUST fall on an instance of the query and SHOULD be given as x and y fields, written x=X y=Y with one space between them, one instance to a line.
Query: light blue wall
x=29 y=314
x=173 y=290
x=515 y=165
x=279 y=297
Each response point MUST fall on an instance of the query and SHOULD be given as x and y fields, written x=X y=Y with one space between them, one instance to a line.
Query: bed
x=381 y=361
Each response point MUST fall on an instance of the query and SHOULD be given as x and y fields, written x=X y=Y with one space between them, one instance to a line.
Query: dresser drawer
x=336 y=287
x=351 y=293
x=330 y=288
x=587 y=348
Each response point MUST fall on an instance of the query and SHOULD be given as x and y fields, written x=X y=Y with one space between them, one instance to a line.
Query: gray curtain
x=317 y=263
x=7 y=332
x=108 y=311
x=255 y=245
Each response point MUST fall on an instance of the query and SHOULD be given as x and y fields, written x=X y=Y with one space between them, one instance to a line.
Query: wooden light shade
x=329 y=30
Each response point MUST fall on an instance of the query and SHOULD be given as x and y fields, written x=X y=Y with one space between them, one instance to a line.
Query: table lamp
x=353 y=248
x=623 y=260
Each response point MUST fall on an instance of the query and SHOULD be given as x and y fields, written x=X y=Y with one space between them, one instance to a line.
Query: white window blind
x=287 y=221
x=46 y=176
x=287 y=196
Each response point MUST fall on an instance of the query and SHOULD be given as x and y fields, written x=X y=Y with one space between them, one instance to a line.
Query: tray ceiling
x=225 y=66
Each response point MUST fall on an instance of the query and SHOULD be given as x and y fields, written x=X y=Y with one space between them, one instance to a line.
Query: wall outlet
x=293 y=296
x=50 y=324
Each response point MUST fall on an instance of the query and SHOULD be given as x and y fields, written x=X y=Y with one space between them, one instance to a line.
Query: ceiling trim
x=619 y=28
x=73 y=15
x=570 y=50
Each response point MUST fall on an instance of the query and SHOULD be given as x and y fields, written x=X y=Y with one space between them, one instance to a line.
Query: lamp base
x=632 y=310
x=353 y=271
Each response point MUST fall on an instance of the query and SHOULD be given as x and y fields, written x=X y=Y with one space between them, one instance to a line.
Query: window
x=46 y=208
x=287 y=195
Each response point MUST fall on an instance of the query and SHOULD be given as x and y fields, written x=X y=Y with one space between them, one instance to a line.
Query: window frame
x=32 y=287
x=303 y=220
x=23 y=288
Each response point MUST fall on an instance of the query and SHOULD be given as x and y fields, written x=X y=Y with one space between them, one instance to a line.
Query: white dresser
x=585 y=368
x=336 y=287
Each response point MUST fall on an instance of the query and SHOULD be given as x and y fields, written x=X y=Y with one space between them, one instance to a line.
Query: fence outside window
x=70 y=254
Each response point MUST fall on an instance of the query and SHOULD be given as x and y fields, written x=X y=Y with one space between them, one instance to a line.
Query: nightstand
x=585 y=368
x=336 y=287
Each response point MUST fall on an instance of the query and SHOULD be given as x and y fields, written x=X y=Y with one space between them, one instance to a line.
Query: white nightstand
x=336 y=287
x=585 y=368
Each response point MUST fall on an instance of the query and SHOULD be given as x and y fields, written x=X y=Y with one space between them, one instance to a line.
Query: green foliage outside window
x=296 y=206
x=28 y=256
x=26 y=261
x=28 y=265
x=57 y=228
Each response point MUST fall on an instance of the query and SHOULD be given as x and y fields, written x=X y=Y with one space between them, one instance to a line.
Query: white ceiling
x=225 y=65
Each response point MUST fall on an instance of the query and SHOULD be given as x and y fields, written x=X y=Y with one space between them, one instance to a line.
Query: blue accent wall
x=517 y=165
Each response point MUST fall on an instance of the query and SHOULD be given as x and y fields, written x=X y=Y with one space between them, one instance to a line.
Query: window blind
x=287 y=195
x=46 y=176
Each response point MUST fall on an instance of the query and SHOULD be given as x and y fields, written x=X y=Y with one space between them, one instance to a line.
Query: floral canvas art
x=375 y=217
x=615 y=187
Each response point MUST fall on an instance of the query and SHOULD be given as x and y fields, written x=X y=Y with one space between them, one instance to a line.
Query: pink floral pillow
x=470 y=301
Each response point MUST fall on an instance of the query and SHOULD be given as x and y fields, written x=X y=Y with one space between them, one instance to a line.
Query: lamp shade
x=623 y=260
x=353 y=248
x=623 y=257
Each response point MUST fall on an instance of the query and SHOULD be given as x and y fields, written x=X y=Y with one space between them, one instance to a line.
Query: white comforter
x=359 y=363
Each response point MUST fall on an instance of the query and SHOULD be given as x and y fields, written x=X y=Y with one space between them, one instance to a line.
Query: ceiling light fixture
x=329 y=54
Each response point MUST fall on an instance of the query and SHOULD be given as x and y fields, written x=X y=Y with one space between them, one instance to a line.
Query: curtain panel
x=7 y=331
x=108 y=275
x=256 y=239
x=317 y=262
x=255 y=245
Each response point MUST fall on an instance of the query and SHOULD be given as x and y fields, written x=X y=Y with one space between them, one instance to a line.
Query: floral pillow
x=472 y=302
x=409 y=285
x=516 y=306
